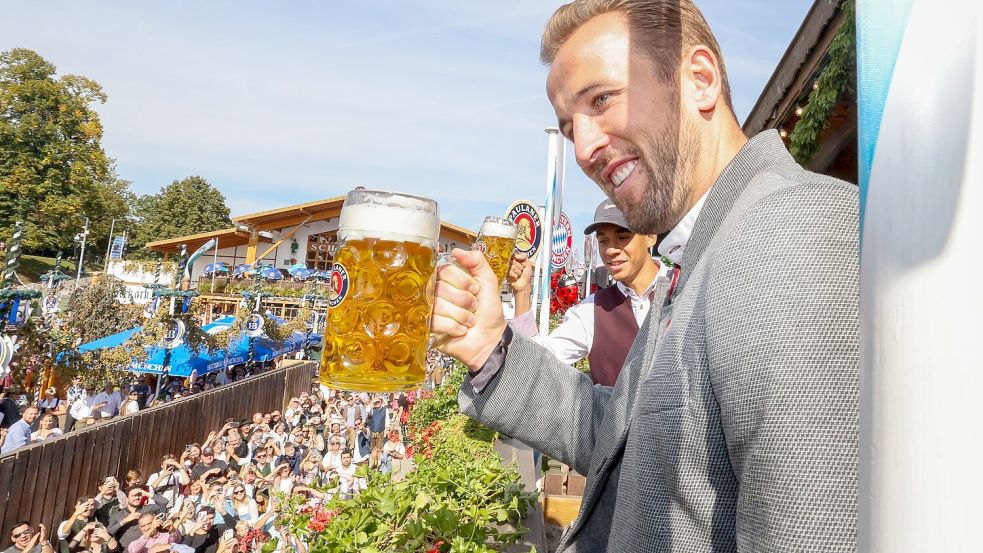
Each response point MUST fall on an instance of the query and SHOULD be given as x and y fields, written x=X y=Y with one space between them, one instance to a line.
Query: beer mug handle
x=438 y=338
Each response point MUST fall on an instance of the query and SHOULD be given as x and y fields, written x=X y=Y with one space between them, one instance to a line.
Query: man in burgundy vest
x=602 y=326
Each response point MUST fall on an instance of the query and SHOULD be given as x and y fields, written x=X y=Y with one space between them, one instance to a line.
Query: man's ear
x=702 y=79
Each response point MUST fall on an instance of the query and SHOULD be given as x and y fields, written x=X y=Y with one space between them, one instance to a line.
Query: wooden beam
x=560 y=510
x=299 y=220
x=285 y=237
x=781 y=83
x=251 y=246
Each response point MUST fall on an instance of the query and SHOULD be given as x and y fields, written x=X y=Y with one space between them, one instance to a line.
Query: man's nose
x=589 y=140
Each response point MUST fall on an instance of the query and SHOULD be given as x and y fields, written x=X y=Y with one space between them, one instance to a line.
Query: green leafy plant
x=459 y=498
x=838 y=77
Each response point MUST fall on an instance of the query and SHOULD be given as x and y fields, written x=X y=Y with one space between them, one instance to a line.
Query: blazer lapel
x=764 y=150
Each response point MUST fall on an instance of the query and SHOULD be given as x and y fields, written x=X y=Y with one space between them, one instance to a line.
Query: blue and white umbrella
x=302 y=273
x=323 y=275
x=270 y=273
x=216 y=268
x=242 y=269
x=294 y=268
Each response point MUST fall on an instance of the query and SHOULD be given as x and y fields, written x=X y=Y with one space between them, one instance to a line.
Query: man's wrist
x=494 y=356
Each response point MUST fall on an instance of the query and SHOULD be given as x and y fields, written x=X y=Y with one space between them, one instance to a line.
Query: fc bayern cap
x=609 y=213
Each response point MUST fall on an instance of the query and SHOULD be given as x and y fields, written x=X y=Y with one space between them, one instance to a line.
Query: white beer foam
x=491 y=228
x=402 y=220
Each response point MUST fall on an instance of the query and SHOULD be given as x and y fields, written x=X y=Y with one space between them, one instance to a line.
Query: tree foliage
x=95 y=312
x=53 y=170
x=187 y=206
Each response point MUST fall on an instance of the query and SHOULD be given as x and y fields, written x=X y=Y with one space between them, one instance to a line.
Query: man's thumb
x=474 y=262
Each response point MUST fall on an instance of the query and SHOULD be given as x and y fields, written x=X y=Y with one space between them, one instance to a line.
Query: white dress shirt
x=112 y=403
x=674 y=243
x=572 y=339
x=82 y=408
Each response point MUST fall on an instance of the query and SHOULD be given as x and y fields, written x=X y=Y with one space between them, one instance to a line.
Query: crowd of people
x=221 y=495
x=23 y=422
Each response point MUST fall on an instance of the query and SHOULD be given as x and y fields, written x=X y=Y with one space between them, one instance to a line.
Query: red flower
x=436 y=547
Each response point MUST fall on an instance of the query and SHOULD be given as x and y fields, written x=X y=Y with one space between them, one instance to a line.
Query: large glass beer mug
x=381 y=293
x=496 y=240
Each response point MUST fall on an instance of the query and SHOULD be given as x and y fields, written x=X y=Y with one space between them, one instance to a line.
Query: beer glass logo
x=479 y=246
x=338 y=285
x=526 y=217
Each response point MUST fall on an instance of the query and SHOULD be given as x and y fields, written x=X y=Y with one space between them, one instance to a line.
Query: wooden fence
x=41 y=483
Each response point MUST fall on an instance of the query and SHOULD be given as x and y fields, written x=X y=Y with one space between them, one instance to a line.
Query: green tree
x=187 y=206
x=94 y=310
x=53 y=170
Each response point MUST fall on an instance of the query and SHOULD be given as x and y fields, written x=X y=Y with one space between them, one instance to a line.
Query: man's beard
x=668 y=188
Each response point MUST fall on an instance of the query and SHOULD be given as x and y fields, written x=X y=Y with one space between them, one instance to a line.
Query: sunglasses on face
x=20 y=535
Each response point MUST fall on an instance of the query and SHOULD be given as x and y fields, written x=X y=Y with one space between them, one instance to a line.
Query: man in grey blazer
x=733 y=425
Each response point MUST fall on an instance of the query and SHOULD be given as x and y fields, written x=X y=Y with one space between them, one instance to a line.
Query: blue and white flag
x=920 y=84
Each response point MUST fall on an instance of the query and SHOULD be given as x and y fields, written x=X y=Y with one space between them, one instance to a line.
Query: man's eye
x=600 y=99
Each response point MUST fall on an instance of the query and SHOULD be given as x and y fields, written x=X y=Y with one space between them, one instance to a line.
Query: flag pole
x=537 y=263
x=554 y=191
x=214 y=266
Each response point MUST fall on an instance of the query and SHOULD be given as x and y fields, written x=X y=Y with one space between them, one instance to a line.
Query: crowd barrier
x=40 y=483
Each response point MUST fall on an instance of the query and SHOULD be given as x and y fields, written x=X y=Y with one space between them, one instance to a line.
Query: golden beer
x=496 y=240
x=381 y=293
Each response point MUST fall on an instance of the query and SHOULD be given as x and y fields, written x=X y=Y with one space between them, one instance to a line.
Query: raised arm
x=529 y=394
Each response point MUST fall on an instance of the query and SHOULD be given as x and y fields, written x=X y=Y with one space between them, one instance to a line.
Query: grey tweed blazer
x=734 y=423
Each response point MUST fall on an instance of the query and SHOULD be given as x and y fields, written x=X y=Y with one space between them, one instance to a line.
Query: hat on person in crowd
x=208 y=451
x=607 y=213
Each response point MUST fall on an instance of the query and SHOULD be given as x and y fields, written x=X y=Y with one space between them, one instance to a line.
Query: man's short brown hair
x=663 y=30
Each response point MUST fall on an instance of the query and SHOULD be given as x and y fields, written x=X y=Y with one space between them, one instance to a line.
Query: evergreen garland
x=838 y=77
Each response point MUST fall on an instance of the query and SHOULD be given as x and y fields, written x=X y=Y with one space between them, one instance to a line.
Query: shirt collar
x=631 y=293
x=674 y=243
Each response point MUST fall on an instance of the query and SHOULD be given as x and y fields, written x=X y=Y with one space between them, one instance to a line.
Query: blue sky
x=286 y=102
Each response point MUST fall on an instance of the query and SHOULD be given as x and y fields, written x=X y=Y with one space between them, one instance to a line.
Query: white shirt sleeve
x=571 y=340
x=81 y=409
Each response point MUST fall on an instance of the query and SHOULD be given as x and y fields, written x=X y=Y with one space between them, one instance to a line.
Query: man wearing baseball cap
x=602 y=327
